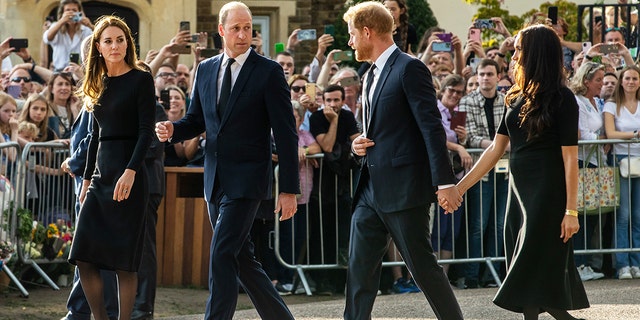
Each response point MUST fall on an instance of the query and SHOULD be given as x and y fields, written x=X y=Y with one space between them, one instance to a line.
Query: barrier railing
x=9 y=151
x=47 y=193
x=300 y=255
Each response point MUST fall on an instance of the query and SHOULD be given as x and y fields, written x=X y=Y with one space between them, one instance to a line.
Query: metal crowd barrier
x=48 y=194
x=9 y=153
x=303 y=255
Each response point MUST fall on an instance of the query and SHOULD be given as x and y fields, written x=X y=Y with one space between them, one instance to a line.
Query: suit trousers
x=370 y=232
x=232 y=259
x=147 y=274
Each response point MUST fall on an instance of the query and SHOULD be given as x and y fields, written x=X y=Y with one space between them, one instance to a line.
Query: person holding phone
x=65 y=35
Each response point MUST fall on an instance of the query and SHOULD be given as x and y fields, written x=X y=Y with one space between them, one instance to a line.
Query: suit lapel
x=213 y=85
x=242 y=79
x=384 y=74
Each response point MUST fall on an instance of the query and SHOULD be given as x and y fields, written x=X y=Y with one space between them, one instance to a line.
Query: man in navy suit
x=237 y=168
x=405 y=160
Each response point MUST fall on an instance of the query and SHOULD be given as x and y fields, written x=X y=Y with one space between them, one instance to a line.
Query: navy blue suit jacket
x=238 y=147
x=409 y=159
x=79 y=142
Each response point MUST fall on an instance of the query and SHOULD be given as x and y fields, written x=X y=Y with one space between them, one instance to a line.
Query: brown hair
x=538 y=78
x=4 y=99
x=63 y=3
x=618 y=93
x=96 y=69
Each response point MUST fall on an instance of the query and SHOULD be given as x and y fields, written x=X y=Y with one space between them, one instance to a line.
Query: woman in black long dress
x=109 y=231
x=541 y=123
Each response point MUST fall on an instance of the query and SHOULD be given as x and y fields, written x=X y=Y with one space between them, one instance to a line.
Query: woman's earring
x=100 y=54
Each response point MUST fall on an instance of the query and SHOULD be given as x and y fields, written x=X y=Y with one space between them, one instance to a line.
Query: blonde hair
x=28 y=128
x=586 y=72
x=4 y=99
x=43 y=126
x=96 y=69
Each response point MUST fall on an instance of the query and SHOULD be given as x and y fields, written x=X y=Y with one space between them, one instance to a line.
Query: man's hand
x=360 y=144
x=449 y=199
x=287 y=205
x=164 y=130
x=65 y=167
x=329 y=114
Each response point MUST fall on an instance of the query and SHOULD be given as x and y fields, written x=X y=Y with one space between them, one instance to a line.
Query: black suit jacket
x=409 y=159
x=238 y=148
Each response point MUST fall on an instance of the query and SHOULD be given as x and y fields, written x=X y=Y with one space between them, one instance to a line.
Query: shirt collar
x=382 y=59
x=240 y=59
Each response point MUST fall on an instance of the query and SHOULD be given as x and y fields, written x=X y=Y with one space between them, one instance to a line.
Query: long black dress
x=540 y=267
x=110 y=233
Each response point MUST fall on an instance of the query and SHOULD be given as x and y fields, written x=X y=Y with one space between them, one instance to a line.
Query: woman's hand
x=123 y=186
x=570 y=226
x=83 y=191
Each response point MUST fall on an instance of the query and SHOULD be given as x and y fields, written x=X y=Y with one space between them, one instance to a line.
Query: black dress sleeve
x=146 y=106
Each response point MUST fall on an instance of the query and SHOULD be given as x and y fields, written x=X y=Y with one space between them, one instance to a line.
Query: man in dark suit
x=239 y=98
x=405 y=161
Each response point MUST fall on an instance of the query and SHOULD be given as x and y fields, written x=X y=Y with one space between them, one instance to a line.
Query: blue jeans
x=486 y=221
x=628 y=216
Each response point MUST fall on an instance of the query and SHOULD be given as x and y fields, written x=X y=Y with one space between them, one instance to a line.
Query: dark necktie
x=225 y=90
x=370 y=77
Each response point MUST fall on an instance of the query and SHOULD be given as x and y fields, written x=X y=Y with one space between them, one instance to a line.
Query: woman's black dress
x=540 y=267
x=110 y=233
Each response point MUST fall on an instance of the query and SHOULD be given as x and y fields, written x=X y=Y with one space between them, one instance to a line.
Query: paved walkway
x=610 y=300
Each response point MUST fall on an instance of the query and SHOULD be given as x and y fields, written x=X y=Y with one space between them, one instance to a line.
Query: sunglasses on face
x=18 y=79
x=297 y=89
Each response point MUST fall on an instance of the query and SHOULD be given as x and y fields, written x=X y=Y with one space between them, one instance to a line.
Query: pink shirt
x=306 y=169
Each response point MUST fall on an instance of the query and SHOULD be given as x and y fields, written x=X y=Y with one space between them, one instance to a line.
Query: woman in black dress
x=541 y=124
x=109 y=231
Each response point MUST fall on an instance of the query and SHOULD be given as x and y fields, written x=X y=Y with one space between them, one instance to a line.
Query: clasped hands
x=449 y=199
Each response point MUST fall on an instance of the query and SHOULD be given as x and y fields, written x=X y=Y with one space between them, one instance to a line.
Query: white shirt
x=625 y=121
x=590 y=124
x=235 y=69
x=63 y=45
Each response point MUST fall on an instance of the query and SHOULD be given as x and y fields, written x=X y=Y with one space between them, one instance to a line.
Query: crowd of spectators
x=471 y=80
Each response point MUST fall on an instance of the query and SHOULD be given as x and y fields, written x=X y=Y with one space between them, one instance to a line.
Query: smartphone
x=329 y=29
x=348 y=81
x=217 y=41
x=343 y=56
x=552 y=14
x=208 y=53
x=279 y=47
x=19 y=43
x=254 y=33
x=165 y=99
x=181 y=49
x=608 y=48
x=195 y=38
x=14 y=91
x=74 y=57
x=307 y=34
x=445 y=45
x=458 y=118
x=483 y=24
x=310 y=90
x=474 y=35
x=597 y=19
x=586 y=46
x=185 y=25
x=474 y=64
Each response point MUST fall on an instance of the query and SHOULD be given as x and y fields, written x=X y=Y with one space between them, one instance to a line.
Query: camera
x=77 y=17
